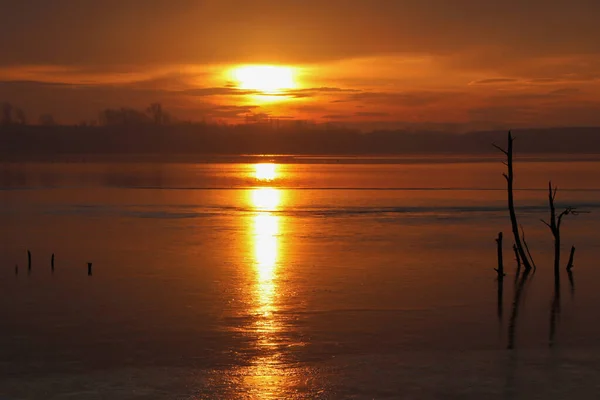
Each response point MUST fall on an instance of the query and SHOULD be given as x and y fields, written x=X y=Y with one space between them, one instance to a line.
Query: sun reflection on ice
x=264 y=378
x=266 y=199
x=265 y=240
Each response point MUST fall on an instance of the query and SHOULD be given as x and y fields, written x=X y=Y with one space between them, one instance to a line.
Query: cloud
x=565 y=91
x=517 y=98
x=37 y=84
x=312 y=92
x=493 y=81
x=404 y=99
x=371 y=114
x=228 y=111
x=219 y=91
x=335 y=116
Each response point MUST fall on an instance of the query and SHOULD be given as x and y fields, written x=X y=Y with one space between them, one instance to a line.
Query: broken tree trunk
x=500 y=269
x=509 y=176
x=571 y=257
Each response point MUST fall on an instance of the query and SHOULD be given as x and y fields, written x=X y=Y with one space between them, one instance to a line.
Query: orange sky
x=468 y=63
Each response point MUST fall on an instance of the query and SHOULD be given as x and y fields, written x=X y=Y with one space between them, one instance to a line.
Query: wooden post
x=16 y=269
x=500 y=269
x=52 y=263
x=28 y=260
x=570 y=263
x=89 y=269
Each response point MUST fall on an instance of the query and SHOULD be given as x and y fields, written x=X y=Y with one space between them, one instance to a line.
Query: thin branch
x=501 y=149
x=567 y=211
x=545 y=223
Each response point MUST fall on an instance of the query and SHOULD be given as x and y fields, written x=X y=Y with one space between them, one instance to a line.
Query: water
x=314 y=278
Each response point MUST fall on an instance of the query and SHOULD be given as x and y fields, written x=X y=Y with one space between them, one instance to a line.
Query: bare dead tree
x=554 y=225
x=509 y=176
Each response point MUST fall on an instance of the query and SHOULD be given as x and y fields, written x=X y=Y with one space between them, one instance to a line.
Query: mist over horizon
x=137 y=140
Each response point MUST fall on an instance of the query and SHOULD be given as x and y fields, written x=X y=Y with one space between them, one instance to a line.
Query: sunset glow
x=285 y=199
x=366 y=65
x=265 y=78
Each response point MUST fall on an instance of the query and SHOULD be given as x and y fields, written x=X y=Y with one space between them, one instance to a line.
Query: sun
x=265 y=78
x=265 y=172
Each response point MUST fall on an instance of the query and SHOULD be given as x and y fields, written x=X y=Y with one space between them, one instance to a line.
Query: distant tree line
x=12 y=115
x=153 y=114
x=154 y=131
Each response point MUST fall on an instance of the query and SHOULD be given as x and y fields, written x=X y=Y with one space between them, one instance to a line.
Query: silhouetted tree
x=11 y=115
x=7 y=114
x=158 y=114
x=509 y=176
x=123 y=116
x=554 y=225
x=20 y=117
